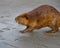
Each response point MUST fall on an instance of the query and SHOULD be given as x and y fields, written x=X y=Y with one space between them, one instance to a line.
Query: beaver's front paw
x=22 y=31
x=26 y=31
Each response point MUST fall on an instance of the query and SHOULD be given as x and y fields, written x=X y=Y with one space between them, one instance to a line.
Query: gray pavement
x=10 y=37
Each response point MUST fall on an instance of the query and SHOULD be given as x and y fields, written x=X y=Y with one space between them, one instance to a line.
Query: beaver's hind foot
x=51 y=31
x=54 y=30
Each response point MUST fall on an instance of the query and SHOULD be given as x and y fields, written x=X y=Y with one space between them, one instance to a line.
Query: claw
x=22 y=31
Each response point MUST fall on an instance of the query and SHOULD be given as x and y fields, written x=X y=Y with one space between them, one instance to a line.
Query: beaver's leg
x=28 y=29
x=54 y=28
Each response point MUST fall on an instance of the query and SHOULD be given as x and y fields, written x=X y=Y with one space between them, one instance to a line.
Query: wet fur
x=42 y=16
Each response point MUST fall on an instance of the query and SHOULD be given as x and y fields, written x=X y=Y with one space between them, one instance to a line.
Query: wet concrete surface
x=10 y=37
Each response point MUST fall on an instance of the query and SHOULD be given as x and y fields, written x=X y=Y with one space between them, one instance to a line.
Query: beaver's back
x=42 y=11
x=44 y=15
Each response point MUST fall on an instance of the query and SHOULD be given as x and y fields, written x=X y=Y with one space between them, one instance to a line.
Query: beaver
x=42 y=16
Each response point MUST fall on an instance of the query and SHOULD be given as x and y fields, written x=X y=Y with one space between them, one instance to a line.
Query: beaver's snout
x=16 y=19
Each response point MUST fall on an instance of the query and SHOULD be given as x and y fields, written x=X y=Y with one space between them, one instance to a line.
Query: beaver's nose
x=15 y=19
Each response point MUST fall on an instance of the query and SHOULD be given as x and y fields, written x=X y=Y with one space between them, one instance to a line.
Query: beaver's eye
x=26 y=17
x=37 y=20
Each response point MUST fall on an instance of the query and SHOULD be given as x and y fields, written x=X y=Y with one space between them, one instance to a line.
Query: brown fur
x=42 y=16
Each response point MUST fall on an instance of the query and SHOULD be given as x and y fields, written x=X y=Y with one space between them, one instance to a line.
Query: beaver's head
x=22 y=19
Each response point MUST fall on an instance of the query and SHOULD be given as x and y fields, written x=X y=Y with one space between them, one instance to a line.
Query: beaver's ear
x=25 y=15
